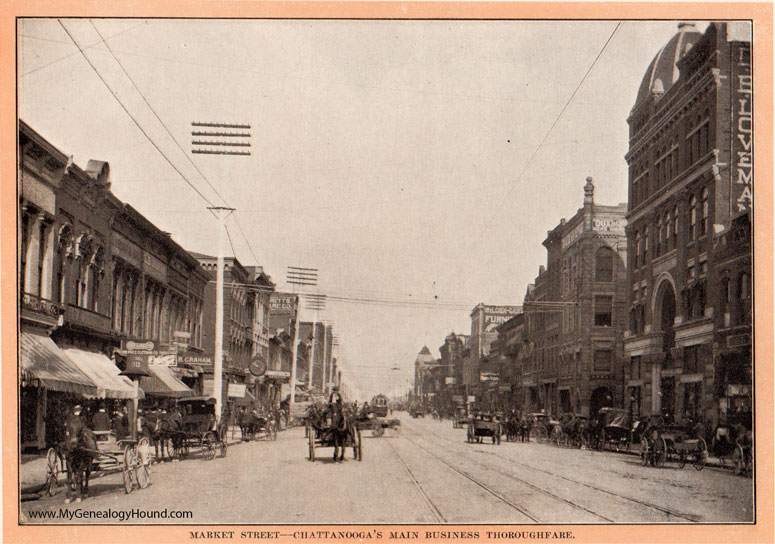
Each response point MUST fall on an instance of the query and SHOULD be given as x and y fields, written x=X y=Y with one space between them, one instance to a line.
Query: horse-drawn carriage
x=93 y=451
x=199 y=427
x=541 y=426
x=333 y=427
x=733 y=442
x=254 y=424
x=680 y=443
x=615 y=429
x=569 y=431
x=482 y=425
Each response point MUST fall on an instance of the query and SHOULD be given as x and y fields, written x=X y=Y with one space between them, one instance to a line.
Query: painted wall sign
x=742 y=127
x=127 y=250
x=573 y=235
x=283 y=302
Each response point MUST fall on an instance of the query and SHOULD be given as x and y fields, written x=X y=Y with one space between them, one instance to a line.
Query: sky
x=405 y=160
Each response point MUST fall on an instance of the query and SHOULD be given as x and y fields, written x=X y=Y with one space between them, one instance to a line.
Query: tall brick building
x=690 y=173
x=575 y=314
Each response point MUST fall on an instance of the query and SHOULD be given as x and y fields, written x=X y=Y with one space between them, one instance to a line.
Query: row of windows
x=649 y=176
x=666 y=228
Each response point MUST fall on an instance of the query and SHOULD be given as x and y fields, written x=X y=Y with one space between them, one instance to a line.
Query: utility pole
x=325 y=357
x=301 y=276
x=221 y=213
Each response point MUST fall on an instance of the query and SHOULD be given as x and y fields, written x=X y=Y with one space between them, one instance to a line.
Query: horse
x=166 y=436
x=78 y=450
x=341 y=428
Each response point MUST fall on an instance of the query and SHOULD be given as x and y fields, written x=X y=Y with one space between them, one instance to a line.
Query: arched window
x=604 y=264
x=704 y=220
x=693 y=218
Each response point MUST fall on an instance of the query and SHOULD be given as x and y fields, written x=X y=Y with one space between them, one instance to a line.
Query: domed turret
x=662 y=73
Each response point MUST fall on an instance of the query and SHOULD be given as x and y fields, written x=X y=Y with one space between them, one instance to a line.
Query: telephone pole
x=221 y=213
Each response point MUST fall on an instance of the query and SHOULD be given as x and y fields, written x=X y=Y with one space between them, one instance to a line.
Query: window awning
x=247 y=400
x=43 y=362
x=102 y=371
x=163 y=382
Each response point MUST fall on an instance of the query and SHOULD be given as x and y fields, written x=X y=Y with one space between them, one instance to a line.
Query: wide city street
x=423 y=473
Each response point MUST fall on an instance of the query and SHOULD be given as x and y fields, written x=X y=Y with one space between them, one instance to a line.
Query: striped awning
x=163 y=383
x=105 y=374
x=43 y=363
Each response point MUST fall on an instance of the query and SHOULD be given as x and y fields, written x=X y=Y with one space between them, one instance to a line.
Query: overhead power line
x=136 y=122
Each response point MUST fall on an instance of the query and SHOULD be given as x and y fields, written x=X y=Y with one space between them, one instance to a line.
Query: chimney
x=541 y=269
x=589 y=203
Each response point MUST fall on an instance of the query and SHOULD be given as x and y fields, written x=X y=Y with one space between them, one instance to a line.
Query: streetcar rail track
x=688 y=517
x=431 y=505
x=477 y=482
x=525 y=482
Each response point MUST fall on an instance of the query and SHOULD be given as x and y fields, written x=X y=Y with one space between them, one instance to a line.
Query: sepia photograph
x=449 y=273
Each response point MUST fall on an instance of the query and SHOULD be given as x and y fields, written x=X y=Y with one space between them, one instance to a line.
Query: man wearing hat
x=74 y=424
x=101 y=420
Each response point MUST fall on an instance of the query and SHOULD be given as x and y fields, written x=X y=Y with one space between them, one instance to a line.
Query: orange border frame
x=760 y=13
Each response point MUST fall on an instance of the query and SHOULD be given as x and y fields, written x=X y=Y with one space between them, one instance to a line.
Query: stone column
x=46 y=285
x=31 y=274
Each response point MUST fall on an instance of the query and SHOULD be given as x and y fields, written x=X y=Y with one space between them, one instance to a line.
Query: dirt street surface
x=424 y=473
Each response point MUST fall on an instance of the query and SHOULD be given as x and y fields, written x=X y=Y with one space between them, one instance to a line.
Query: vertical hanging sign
x=742 y=127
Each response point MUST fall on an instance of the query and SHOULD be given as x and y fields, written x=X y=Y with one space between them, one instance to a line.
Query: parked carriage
x=131 y=457
x=483 y=425
x=541 y=426
x=255 y=425
x=675 y=442
x=570 y=431
x=616 y=429
x=200 y=428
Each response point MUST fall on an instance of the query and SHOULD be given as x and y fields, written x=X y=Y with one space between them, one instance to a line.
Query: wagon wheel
x=701 y=454
x=129 y=466
x=660 y=452
x=376 y=429
x=644 y=452
x=52 y=469
x=143 y=451
x=143 y=475
x=311 y=438
x=359 y=445
x=208 y=441
x=470 y=434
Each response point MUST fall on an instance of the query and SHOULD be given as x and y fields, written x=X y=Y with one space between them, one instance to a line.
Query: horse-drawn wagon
x=255 y=424
x=482 y=425
x=199 y=427
x=93 y=451
x=332 y=427
x=674 y=442
x=615 y=429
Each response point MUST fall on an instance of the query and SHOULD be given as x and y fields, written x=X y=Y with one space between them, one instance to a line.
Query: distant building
x=690 y=174
x=422 y=365
x=575 y=313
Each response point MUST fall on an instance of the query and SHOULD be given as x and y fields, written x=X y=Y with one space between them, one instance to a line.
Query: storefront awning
x=247 y=400
x=184 y=372
x=43 y=362
x=163 y=383
x=106 y=375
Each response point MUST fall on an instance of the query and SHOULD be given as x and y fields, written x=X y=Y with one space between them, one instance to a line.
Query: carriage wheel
x=701 y=455
x=359 y=446
x=208 y=441
x=52 y=469
x=143 y=475
x=311 y=439
x=644 y=452
x=129 y=466
x=143 y=451
x=660 y=452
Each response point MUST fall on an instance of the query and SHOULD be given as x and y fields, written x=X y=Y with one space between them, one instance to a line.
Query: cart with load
x=483 y=425
x=675 y=442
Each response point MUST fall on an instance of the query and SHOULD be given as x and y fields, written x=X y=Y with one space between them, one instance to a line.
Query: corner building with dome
x=688 y=344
